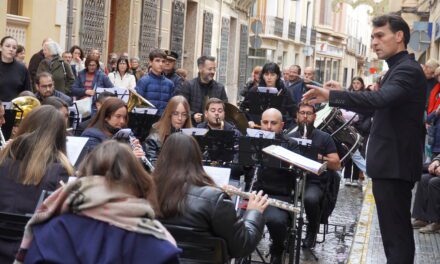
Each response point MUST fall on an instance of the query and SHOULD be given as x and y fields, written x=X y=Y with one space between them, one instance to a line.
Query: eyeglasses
x=177 y=114
x=306 y=113
x=47 y=86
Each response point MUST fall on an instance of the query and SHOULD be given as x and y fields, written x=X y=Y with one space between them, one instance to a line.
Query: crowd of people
x=122 y=198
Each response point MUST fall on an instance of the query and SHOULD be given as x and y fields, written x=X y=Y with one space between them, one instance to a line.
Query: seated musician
x=427 y=202
x=325 y=147
x=105 y=216
x=270 y=77
x=34 y=161
x=106 y=123
x=60 y=105
x=278 y=183
x=188 y=197
x=174 y=118
x=215 y=117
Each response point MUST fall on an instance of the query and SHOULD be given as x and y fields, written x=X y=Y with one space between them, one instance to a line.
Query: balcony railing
x=292 y=28
x=274 y=26
x=16 y=26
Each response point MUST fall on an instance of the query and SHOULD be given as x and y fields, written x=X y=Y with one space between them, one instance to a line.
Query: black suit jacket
x=395 y=148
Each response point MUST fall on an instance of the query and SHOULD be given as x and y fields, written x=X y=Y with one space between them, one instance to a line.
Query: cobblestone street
x=336 y=247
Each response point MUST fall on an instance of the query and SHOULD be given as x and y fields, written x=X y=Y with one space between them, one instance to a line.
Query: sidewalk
x=367 y=244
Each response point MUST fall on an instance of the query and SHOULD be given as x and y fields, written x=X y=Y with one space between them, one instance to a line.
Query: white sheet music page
x=218 y=174
x=296 y=159
x=74 y=146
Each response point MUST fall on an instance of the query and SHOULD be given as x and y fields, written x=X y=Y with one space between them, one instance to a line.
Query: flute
x=272 y=202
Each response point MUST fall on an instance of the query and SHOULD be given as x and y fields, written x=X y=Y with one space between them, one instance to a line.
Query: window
x=14 y=7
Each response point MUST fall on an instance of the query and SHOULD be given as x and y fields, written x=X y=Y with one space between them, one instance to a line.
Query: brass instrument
x=23 y=105
x=236 y=117
x=220 y=122
x=136 y=100
x=272 y=202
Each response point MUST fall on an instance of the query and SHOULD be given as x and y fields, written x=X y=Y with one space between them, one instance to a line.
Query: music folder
x=74 y=148
x=195 y=131
x=120 y=92
x=296 y=159
x=257 y=133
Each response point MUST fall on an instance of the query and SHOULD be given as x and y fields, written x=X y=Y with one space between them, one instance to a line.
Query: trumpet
x=272 y=202
x=2 y=140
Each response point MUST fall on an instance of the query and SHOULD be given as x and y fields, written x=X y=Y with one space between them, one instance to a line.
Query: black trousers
x=277 y=221
x=393 y=203
x=351 y=170
x=427 y=201
x=312 y=205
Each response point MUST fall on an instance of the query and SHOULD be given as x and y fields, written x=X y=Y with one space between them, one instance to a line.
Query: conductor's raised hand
x=317 y=94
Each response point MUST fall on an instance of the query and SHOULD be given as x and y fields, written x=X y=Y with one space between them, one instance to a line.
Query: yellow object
x=23 y=105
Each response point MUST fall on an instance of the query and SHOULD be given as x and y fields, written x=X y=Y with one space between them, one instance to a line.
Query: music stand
x=10 y=115
x=260 y=101
x=140 y=120
x=217 y=145
x=120 y=92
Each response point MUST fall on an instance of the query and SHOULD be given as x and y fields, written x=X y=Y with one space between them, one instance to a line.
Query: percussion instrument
x=237 y=117
x=346 y=137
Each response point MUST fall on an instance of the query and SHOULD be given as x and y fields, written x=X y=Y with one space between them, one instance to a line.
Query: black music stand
x=141 y=123
x=259 y=102
x=217 y=145
x=10 y=115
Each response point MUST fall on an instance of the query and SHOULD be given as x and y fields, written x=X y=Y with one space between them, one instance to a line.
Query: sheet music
x=296 y=159
x=257 y=133
x=121 y=92
x=195 y=131
x=74 y=146
x=218 y=174
x=271 y=90
x=84 y=106
x=7 y=105
x=143 y=110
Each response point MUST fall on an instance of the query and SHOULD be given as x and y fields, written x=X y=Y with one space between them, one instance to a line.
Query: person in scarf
x=107 y=215
x=35 y=160
x=433 y=118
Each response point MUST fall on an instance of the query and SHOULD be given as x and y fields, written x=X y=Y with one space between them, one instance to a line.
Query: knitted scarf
x=94 y=197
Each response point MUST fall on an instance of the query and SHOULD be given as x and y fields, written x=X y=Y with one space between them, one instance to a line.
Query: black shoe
x=310 y=240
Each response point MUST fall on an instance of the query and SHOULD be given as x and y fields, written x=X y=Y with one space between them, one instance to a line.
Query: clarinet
x=272 y=202
x=143 y=158
x=125 y=134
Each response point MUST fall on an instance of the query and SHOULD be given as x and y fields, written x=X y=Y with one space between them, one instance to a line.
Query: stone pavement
x=337 y=244
x=367 y=245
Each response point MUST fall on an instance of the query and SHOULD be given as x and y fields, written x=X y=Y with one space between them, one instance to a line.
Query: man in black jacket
x=198 y=90
x=395 y=148
x=35 y=62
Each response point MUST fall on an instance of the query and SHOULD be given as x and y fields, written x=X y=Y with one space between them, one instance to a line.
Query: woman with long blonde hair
x=175 y=117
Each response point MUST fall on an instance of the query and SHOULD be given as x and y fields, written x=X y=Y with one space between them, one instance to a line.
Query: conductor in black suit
x=395 y=148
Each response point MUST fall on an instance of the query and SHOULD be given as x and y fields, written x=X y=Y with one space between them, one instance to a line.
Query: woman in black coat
x=188 y=197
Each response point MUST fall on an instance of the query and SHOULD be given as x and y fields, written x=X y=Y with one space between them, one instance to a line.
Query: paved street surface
x=367 y=247
x=336 y=247
x=362 y=243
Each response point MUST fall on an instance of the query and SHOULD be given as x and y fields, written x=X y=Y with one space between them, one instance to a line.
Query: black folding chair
x=12 y=226
x=197 y=247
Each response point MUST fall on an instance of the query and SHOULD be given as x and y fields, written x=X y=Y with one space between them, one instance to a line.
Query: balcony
x=16 y=26
x=292 y=28
x=274 y=26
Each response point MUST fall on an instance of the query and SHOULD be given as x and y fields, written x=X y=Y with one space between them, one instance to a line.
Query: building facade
x=190 y=27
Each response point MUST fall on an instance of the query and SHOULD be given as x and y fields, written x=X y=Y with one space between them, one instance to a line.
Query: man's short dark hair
x=201 y=60
x=396 y=23
x=41 y=75
x=306 y=105
x=157 y=53
x=104 y=95
x=56 y=102
x=214 y=100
